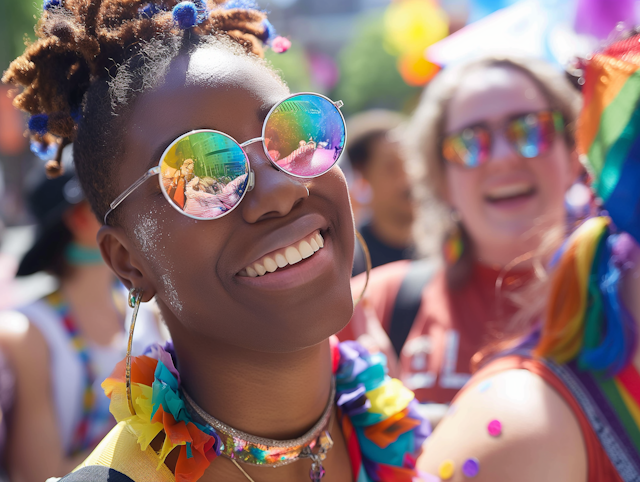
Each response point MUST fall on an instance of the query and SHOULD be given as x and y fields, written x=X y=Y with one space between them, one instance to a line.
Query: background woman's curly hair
x=92 y=59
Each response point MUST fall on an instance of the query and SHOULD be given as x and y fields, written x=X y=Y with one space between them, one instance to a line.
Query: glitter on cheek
x=172 y=294
x=146 y=234
x=149 y=237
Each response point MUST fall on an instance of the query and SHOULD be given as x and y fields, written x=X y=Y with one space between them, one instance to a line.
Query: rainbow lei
x=380 y=423
x=383 y=430
x=159 y=407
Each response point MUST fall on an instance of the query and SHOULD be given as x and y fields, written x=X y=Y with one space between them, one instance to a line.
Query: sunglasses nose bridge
x=251 y=141
x=501 y=146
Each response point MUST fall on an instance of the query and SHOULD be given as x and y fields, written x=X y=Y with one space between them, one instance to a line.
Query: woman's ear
x=124 y=262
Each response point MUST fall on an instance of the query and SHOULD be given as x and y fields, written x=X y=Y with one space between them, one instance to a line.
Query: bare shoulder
x=510 y=427
x=23 y=343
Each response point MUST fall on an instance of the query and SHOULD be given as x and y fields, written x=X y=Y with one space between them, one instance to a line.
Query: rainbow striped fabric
x=609 y=130
x=587 y=331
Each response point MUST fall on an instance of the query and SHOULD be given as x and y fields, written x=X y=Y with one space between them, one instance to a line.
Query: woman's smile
x=298 y=271
x=284 y=257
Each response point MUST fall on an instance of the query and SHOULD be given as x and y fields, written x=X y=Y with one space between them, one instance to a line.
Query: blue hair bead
x=149 y=10
x=185 y=15
x=243 y=4
x=76 y=114
x=269 y=31
x=38 y=123
x=48 y=4
x=43 y=150
x=203 y=11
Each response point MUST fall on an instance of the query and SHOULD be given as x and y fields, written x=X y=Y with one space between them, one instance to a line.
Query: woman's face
x=507 y=201
x=196 y=268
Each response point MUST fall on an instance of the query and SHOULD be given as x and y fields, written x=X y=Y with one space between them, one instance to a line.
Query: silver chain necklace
x=242 y=447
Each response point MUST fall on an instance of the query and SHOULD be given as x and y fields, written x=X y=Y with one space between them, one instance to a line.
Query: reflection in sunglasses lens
x=204 y=174
x=305 y=135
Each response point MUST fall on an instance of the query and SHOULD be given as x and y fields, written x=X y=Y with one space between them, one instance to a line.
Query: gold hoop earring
x=367 y=258
x=135 y=297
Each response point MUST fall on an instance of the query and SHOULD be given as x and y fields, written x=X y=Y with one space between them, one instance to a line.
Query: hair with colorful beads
x=92 y=58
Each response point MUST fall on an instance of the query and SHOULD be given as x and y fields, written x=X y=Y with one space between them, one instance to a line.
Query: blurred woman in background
x=562 y=402
x=491 y=156
x=63 y=346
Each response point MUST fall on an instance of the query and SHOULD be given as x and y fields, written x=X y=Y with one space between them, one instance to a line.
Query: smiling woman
x=491 y=155
x=221 y=199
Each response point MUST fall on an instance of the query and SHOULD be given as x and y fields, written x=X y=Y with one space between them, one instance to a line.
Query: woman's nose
x=501 y=149
x=275 y=193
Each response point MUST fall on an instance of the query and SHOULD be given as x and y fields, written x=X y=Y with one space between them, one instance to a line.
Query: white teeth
x=509 y=191
x=305 y=250
x=270 y=265
x=281 y=261
x=293 y=255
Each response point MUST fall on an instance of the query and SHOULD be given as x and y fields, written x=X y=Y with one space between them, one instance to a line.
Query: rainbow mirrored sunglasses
x=205 y=174
x=530 y=135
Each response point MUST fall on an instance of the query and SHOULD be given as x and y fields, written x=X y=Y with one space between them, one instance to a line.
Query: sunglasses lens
x=532 y=134
x=469 y=148
x=204 y=174
x=304 y=135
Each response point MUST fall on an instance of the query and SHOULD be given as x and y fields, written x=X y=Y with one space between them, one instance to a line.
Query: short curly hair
x=93 y=58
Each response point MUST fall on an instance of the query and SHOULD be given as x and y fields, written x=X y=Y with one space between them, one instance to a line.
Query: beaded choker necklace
x=249 y=449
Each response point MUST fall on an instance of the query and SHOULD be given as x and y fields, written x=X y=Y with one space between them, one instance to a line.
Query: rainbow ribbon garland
x=380 y=423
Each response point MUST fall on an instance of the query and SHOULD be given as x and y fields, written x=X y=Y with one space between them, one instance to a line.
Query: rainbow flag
x=608 y=131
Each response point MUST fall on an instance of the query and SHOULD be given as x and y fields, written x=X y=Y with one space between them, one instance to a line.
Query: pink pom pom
x=280 y=45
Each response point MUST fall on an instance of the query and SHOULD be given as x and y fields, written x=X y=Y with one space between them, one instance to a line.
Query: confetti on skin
x=471 y=467
x=484 y=386
x=452 y=410
x=495 y=428
x=446 y=469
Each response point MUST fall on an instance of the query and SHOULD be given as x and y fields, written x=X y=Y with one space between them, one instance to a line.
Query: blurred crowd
x=462 y=197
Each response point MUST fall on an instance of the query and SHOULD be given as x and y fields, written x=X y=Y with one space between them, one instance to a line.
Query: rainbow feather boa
x=380 y=423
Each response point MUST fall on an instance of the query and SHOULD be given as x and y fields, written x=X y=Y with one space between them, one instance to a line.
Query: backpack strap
x=407 y=303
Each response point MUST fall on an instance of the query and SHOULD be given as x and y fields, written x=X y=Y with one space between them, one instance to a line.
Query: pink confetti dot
x=494 y=428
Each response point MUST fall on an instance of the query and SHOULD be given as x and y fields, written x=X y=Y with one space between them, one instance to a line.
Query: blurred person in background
x=7 y=393
x=561 y=402
x=491 y=155
x=63 y=346
x=381 y=188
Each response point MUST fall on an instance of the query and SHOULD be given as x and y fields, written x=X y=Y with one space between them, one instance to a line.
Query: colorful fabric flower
x=380 y=422
x=158 y=407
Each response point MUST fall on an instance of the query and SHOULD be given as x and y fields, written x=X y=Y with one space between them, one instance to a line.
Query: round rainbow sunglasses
x=530 y=135
x=205 y=174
